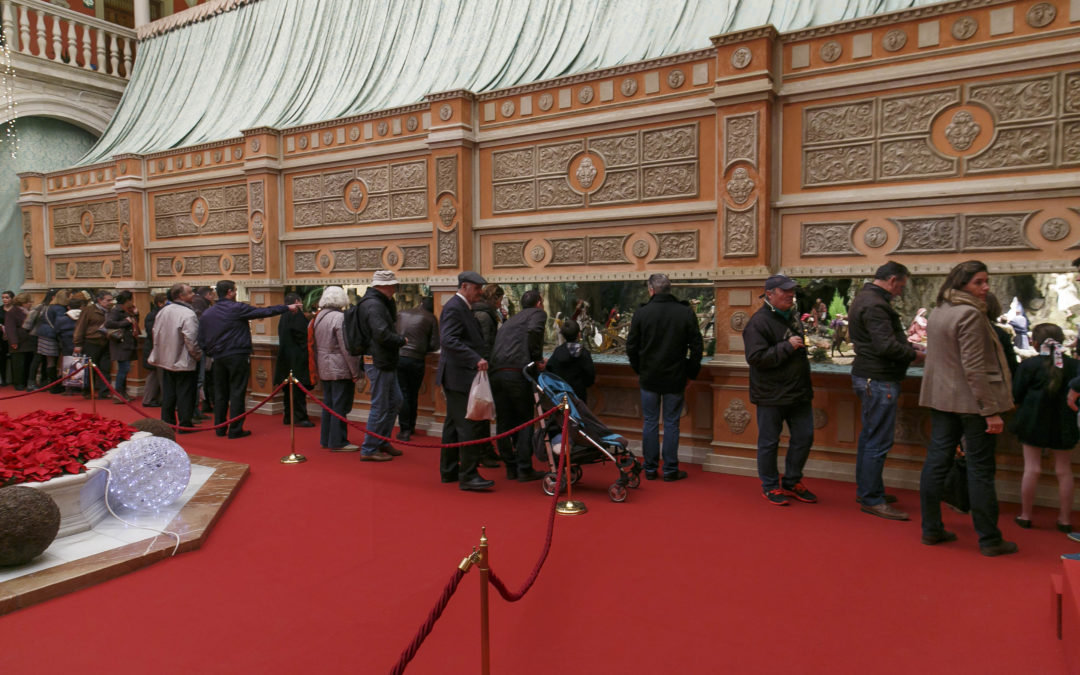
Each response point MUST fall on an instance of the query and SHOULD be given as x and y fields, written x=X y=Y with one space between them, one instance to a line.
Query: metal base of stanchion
x=293 y=459
x=570 y=508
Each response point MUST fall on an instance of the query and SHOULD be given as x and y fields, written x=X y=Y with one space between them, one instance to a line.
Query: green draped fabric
x=282 y=63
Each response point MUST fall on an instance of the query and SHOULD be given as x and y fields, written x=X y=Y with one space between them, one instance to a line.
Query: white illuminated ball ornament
x=149 y=473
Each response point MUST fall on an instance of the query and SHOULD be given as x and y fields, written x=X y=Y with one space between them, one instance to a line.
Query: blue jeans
x=672 y=404
x=385 y=401
x=770 y=421
x=122 y=370
x=946 y=430
x=879 y=401
x=338 y=396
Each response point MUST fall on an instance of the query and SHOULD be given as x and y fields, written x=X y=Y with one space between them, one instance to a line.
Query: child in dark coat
x=1044 y=421
x=572 y=362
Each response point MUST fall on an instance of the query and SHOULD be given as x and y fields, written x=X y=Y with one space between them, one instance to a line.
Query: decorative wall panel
x=508 y=254
x=257 y=235
x=82 y=224
x=124 y=217
x=415 y=257
x=446 y=176
x=394 y=191
x=447 y=248
x=28 y=246
x=956 y=233
x=741 y=139
x=647 y=165
x=207 y=210
x=740 y=232
x=828 y=239
x=676 y=246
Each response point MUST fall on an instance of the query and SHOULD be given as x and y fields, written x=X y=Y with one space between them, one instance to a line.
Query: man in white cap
x=378 y=316
x=780 y=388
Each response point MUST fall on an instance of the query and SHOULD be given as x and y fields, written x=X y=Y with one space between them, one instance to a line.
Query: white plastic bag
x=481 y=402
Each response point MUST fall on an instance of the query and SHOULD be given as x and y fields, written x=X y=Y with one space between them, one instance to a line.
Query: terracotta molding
x=889 y=18
x=766 y=31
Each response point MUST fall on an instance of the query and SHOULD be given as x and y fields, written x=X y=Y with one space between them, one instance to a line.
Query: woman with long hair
x=967 y=386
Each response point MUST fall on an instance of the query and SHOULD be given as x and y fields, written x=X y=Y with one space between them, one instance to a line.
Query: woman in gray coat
x=966 y=385
x=338 y=369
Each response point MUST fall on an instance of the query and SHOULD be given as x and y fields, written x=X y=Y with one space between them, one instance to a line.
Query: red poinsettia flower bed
x=44 y=444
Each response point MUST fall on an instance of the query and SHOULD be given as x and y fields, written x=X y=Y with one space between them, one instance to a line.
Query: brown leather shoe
x=390 y=450
x=377 y=456
x=883 y=510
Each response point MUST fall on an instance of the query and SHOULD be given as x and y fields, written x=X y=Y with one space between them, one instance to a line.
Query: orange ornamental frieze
x=86 y=270
x=200 y=211
x=82 y=224
x=391 y=191
x=196 y=265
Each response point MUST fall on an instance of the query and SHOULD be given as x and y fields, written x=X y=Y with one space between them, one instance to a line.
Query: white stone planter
x=81 y=497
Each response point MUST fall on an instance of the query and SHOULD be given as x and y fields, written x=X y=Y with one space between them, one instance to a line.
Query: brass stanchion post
x=292 y=458
x=485 y=618
x=568 y=507
x=90 y=373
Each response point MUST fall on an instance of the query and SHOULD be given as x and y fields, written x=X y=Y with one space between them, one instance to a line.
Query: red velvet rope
x=356 y=425
x=47 y=386
x=514 y=596
x=177 y=426
x=425 y=629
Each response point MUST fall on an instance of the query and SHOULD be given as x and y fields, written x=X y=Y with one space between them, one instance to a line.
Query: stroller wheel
x=548 y=482
x=617 y=492
x=575 y=473
x=634 y=480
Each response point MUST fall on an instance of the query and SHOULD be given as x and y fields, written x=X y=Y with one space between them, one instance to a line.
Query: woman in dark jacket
x=48 y=348
x=122 y=327
x=572 y=362
x=22 y=345
x=487 y=314
x=292 y=357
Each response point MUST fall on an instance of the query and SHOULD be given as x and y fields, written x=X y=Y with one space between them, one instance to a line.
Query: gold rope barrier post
x=485 y=618
x=568 y=507
x=90 y=373
x=292 y=458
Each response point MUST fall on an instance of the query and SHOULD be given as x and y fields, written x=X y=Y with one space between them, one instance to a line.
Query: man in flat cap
x=459 y=362
x=378 y=315
x=780 y=388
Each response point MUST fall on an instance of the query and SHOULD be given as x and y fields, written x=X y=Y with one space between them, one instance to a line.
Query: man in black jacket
x=519 y=342
x=420 y=329
x=378 y=314
x=225 y=336
x=882 y=356
x=292 y=357
x=774 y=340
x=664 y=347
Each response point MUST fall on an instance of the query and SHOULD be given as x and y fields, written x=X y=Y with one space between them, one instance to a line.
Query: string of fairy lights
x=7 y=98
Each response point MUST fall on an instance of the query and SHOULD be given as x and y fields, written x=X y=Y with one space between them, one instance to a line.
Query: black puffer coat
x=779 y=373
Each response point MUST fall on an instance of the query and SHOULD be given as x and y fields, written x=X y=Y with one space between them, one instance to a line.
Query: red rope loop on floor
x=356 y=425
x=47 y=386
x=436 y=612
x=224 y=424
x=514 y=596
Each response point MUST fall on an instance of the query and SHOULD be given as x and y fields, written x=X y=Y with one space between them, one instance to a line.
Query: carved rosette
x=894 y=40
x=446 y=111
x=628 y=87
x=740 y=232
x=964 y=27
x=737 y=416
x=585 y=94
x=1055 y=229
x=447 y=212
x=507 y=109
x=545 y=102
x=586 y=172
x=741 y=57
x=739 y=320
x=1041 y=15
x=876 y=237
x=831 y=51
x=676 y=79
x=828 y=239
x=640 y=248
x=962 y=130
x=411 y=123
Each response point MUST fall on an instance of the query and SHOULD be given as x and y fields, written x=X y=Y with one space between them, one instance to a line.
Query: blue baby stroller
x=591 y=441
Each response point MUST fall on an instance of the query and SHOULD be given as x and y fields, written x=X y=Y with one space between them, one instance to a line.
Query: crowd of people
x=198 y=347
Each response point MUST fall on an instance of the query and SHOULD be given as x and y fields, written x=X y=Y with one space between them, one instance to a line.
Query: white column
x=142 y=12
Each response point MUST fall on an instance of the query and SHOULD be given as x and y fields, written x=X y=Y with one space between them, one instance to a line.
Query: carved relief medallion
x=217 y=156
x=821 y=418
x=200 y=212
x=628 y=87
x=585 y=94
x=86 y=223
x=161 y=165
x=737 y=416
x=382 y=128
x=392 y=258
x=327 y=137
x=411 y=123
x=740 y=186
x=446 y=111
x=675 y=79
x=640 y=248
x=964 y=27
x=545 y=102
x=1055 y=229
x=261 y=376
x=447 y=212
x=302 y=142
x=354 y=133
x=586 y=172
x=741 y=57
x=831 y=51
x=508 y=109
x=876 y=237
x=255 y=145
x=962 y=130
x=1042 y=14
x=238 y=153
x=538 y=253
x=197 y=159
x=178 y=162
x=894 y=40
x=355 y=196
x=738 y=321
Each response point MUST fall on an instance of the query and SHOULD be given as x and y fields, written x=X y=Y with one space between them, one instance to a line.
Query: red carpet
x=330 y=567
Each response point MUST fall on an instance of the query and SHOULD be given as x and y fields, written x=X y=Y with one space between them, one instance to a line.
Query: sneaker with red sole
x=799 y=491
x=775 y=497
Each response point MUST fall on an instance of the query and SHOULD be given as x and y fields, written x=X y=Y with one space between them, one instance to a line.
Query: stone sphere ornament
x=148 y=474
x=29 y=521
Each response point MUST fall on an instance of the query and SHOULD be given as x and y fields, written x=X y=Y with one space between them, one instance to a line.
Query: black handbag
x=955 y=492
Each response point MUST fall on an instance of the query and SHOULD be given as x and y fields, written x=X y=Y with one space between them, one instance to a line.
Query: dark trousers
x=514 y=405
x=946 y=430
x=20 y=368
x=460 y=463
x=177 y=396
x=231 y=375
x=338 y=395
x=99 y=354
x=410 y=374
x=4 y=379
x=295 y=403
x=770 y=420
